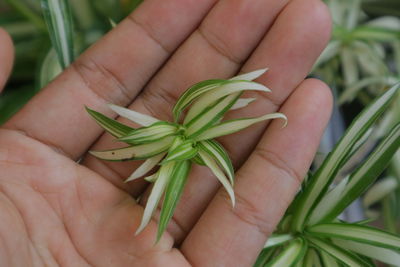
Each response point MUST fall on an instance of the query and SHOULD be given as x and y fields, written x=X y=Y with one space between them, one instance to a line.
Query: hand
x=55 y=211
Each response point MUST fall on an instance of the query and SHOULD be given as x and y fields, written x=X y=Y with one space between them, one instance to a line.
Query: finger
x=113 y=70
x=211 y=51
x=266 y=184
x=289 y=63
x=6 y=57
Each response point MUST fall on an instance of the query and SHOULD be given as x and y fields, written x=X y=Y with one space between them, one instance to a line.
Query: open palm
x=55 y=211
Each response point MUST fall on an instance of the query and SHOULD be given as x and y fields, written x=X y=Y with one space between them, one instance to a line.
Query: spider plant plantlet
x=175 y=146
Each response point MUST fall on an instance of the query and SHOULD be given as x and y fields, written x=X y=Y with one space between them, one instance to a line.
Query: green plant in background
x=357 y=51
x=361 y=61
x=176 y=145
x=311 y=234
x=46 y=39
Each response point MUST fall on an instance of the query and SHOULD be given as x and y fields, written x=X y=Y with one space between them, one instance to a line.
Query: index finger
x=113 y=70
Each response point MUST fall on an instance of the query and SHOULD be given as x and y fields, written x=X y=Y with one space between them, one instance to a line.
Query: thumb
x=6 y=57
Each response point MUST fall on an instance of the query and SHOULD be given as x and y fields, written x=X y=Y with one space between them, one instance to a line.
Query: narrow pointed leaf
x=380 y=190
x=367 y=173
x=57 y=15
x=349 y=66
x=49 y=69
x=210 y=162
x=311 y=259
x=232 y=126
x=374 y=33
x=335 y=160
x=328 y=260
x=327 y=202
x=205 y=86
x=151 y=178
x=146 y=166
x=173 y=193
x=139 y=118
x=112 y=126
x=226 y=89
x=164 y=176
x=184 y=151
x=218 y=153
x=355 y=232
x=242 y=102
x=339 y=253
x=293 y=253
x=382 y=254
x=150 y=134
x=265 y=256
x=192 y=93
x=276 y=240
x=250 y=76
x=197 y=159
x=210 y=115
x=134 y=152
x=330 y=51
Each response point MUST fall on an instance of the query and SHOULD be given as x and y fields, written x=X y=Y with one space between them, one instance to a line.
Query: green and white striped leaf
x=369 y=60
x=210 y=115
x=328 y=260
x=219 y=154
x=172 y=194
x=150 y=134
x=250 y=76
x=50 y=68
x=184 y=151
x=139 y=118
x=57 y=15
x=164 y=176
x=135 y=152
x=367 y=173
x=197 y=159
x=265 y=256
x=330 y=51
x=211 y=163
x=327 y=202
x=380 y=190
x=353 y=14
x=311 y=259
x=151 y=178
x=382 y=254
x=242 y=103
x=146 y=166
x=227 y=89
x=375 y=34
x=355 y=232
x=192 y=93
x=111 y=126
x=276 y=240
x=335 y=160
x=349 y=66
x=205 y=86
x=385 y=22
x=346 y=257
x=293 y=253
x=232 y=126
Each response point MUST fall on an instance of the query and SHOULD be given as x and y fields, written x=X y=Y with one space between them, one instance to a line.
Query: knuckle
x=277 y=162
x=248 y=213
x=103 y=82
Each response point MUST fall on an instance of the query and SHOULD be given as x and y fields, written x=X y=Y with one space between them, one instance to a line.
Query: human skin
x=55 y=211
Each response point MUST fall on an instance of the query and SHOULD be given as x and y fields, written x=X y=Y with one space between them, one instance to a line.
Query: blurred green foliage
x=23 y=19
